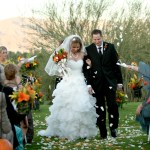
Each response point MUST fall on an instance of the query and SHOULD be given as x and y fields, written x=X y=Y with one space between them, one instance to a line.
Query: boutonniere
x=105 y=45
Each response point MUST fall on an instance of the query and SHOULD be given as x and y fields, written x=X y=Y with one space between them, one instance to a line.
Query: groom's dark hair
x=96 y=31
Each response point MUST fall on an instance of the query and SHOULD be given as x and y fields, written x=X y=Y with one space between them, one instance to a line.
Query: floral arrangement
x=29 y=65
x=39 y=96
x=136 y=82
x=24 y=98
x=133 y=63
x=37 y=88
x=60 y=56
x=121 y=98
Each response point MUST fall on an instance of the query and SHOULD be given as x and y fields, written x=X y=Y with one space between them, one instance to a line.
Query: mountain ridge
x=12 y=34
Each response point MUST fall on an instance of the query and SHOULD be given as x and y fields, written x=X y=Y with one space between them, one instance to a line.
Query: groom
x=103 y=78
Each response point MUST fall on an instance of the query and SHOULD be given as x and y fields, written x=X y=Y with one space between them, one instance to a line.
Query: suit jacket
x=104 y=69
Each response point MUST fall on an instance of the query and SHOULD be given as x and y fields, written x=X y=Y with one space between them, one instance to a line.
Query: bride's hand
x=88 y=61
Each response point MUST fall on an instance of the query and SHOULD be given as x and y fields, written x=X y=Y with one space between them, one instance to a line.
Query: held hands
x=88 y=61
x=90 y=90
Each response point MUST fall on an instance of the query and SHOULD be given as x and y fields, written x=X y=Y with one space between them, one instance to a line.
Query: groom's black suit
x=103 y=76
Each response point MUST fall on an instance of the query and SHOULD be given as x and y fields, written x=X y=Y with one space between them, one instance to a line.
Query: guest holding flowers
x=143 y=110
x=13 y=116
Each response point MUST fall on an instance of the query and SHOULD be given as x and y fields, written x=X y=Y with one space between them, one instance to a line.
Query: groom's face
x=97 y=39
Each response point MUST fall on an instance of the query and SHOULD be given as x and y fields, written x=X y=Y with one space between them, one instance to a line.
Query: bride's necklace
x=75 y=56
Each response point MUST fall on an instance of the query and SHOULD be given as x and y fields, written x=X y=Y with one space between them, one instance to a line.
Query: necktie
x=99 y=50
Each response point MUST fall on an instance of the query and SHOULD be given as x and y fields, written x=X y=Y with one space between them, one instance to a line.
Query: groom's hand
x=90 y=90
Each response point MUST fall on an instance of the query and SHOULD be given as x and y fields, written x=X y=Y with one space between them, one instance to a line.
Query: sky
x=14 y=8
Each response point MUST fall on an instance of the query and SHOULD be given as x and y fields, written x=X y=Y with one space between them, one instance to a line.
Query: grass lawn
x=130 y=136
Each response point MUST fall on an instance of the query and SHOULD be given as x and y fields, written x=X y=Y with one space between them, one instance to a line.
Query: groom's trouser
x=107 y=95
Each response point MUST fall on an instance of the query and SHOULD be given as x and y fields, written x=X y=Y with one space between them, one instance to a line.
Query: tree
x=128 y=28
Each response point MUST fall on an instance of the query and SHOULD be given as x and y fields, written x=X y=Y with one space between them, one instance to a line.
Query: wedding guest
x=3 y=58
x=5 y=126
x=73 y=113
x=14 y=81
x=143 y=115
x=13 y=116
x=103 y=79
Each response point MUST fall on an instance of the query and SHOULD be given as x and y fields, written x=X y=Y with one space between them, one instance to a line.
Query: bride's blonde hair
x=77 y=40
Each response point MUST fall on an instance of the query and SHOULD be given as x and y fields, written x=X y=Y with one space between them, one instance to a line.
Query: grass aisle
x=130 y=136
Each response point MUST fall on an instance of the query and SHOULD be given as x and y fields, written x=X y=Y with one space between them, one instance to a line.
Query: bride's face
x=75 y=47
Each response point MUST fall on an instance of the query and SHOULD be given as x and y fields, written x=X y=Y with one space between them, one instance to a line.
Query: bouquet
x=24 y=98
x=60 y=58
x=136 y=83
x=39 y=96
x=28 y=64
x=121 y=98
x=37 y=88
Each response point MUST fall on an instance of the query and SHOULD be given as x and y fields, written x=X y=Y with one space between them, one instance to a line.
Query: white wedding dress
x=73 y=113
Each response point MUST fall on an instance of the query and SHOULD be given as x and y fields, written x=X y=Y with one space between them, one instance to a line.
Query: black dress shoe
x=103 y=137
x=113 y=133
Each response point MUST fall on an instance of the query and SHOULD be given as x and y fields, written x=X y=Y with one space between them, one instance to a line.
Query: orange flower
x=118 y=100
x=59 y=55
x=132 y=86
x=30 y=90
x=23 y=97
x=27 y=65
x=145 y=83
x=41 y=94
x=56 y=58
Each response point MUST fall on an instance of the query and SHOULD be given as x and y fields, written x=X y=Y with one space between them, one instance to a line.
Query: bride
x=73 y=113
